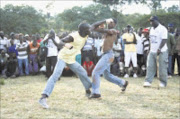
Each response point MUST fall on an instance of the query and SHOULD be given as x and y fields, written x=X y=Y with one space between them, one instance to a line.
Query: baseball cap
x=153 y=18
x=170 y=25
x=145 y=30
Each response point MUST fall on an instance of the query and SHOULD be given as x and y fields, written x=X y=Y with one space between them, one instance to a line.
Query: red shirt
x=88 y=64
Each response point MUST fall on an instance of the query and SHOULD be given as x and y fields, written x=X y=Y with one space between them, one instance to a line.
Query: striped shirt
x=146 y=44
x=22 y=54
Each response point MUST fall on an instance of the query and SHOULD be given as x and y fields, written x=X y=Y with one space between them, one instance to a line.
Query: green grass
x=19 y=99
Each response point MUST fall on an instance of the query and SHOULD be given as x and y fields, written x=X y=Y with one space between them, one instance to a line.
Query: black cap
x=128 y=25
x=153 y=18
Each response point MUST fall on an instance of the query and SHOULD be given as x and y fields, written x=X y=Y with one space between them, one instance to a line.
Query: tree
x=174 y=8
x=24 y=19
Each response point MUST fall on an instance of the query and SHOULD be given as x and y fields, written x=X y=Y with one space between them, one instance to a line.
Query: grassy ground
x=19 y=99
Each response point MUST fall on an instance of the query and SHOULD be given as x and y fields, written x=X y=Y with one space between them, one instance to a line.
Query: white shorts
x=130 y=56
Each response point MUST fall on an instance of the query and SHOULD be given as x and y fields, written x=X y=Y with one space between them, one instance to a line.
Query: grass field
x=19 y=99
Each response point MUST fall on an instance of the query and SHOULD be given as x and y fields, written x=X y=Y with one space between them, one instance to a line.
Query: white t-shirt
x=156 y=35
x=52 y=48
x=98 y=45
x=3 y=43
x=139 y=45
x=117 y=47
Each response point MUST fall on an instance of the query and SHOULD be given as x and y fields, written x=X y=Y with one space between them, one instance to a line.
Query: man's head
x=154 y=21
x=145 y=32
x=1 y=34
x=112 y=24
x=51 y=34
x=84 y=29
x=177 y=31
x=140 y=31
x=3 y=53
x=34 y=39
x=12 y=35
x=170 y=27
x=129 y=28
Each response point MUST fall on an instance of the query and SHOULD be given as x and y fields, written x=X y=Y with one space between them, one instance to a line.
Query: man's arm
x=95 y=27
x=65 y=42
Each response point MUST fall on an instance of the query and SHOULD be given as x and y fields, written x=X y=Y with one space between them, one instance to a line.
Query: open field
x=19 y=99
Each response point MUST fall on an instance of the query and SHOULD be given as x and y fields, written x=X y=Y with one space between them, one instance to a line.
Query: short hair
x=115 y=21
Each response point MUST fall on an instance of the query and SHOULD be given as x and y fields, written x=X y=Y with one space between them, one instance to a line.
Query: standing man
x=52 y=52
x=21 y=47
x=170 y=44
x=103 y=65
x=3 y=42
x=130 y=51
x=158 y=48
x=72 y=43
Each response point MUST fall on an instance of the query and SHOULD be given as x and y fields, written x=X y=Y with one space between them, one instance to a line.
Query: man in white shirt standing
x=158 y=48
x=52 y=52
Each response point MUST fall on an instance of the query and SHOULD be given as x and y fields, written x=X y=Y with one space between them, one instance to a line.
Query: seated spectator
x=3 y=62
x=67 y=71
x=33 y=51
x=22 y=56
x=88 y=66
x=12 y=66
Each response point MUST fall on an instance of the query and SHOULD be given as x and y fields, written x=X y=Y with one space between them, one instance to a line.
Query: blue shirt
x=12 y=49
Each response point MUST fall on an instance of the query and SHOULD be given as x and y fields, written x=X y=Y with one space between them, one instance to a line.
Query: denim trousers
x=75 y=67
x=103 y=67
x=20 y=65
x=152 y=67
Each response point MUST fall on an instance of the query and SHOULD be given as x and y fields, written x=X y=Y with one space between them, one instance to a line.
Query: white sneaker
x=43 y=103
x=169 y=76
x=162 y=85
x=126 y=76
x=135 y=76
x=147 y=84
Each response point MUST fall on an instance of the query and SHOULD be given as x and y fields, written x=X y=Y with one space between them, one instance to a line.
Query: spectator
x=12 y=48
x=158 y=50
x=98 y=46
x=115 y=65
x=28 y=39
x=87 y=50
x=130 y=51
x=3 y=42
x=139 y=47
x=176 y=52
x=39 y=39
x=33 y=51
x=170 y=45
x=3 y=63
x=12 y=66
x=22 y=56
x=88 y=66
x=52 y=52
x=146 y=48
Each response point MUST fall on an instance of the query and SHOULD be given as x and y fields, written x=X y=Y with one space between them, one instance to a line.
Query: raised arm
x=64 y=42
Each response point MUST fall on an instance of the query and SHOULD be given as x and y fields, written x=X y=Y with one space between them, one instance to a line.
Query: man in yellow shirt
x=73 y=43
x=130 y=51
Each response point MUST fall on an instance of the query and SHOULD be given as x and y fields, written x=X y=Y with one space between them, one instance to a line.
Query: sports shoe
x=97 y=96
x=147 y=84
x=126 y=76
x=125 y=85
x=135 y=76
x=43 y=103
x=88 y=92
x=162 y=85
x=169 y=76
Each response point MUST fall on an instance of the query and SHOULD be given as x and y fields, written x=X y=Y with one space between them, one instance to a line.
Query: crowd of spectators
x=23 y=55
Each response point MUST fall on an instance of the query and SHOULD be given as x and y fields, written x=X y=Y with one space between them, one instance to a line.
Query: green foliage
x=164 y=19
x=24 y=19
x=174 y=8
x=71 y=18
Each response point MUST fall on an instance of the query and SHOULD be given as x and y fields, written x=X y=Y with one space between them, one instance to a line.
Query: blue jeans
x=152 y=67
x=103 y=67
x=75 y=67
x=20 y=65
x=170 y=65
